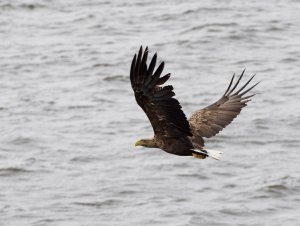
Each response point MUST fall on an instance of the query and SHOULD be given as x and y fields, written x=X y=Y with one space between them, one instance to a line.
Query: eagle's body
x=173 y=132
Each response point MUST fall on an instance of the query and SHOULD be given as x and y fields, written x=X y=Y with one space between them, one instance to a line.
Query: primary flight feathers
x=173 y=132
x=157 y=102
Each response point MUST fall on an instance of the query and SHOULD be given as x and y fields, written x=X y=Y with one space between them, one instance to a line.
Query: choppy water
x=69 y=119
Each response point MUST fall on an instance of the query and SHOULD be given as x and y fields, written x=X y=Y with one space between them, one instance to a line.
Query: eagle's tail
x=207 y=152
x=214 y=154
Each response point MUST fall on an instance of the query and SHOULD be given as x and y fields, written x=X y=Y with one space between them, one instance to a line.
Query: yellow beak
x=138 y=143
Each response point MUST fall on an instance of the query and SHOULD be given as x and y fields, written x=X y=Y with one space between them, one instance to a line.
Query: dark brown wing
x=163 y=111
x=212 y=119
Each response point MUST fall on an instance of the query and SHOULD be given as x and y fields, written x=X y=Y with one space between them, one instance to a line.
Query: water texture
x=69 y=119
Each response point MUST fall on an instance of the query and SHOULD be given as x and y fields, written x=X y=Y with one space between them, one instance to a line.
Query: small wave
x=289 y=60
x=116 y=78
x=211 y=25
x=242 y=62
x=21 y=6
x=106 y=203
x=80 y=106
x=21 y=140
x=127 y=192
x=83 y=159
x=273 y=191
x=83 y=18
x=233 y=212
x=274 y=28
x=102 y=65
x=206 y=9
x=282 y=187
x=277 y=188
x=193 y=175
x=30 y=6
x=235 y=37
x=12 y=170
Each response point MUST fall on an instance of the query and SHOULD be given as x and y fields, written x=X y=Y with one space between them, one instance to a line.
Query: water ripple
x=69 y=118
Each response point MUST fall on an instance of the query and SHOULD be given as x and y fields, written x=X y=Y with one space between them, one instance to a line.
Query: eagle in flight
x=173 y=132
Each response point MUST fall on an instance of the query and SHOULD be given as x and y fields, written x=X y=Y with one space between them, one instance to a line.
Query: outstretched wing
x=163 y=111
x=211 y=120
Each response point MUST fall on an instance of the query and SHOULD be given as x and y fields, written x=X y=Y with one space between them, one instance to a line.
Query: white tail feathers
x=214 y=154
x=211 y=153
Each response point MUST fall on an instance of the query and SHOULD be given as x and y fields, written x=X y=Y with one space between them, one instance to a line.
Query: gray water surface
x=69 y=119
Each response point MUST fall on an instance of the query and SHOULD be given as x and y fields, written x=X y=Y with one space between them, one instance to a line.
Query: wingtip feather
x=238 y=81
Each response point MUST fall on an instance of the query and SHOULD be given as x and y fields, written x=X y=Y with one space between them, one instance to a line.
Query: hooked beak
x=138 y=143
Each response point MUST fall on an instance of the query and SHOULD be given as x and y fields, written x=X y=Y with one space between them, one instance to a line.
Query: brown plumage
x=173 y=132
